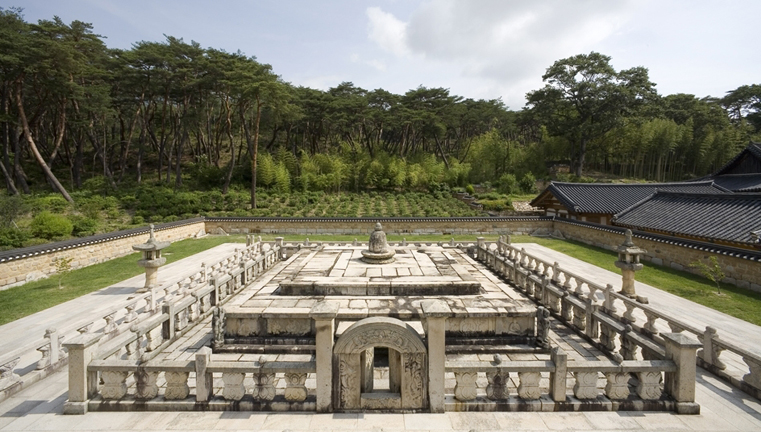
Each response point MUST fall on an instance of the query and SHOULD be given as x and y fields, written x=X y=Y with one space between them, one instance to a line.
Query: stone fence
x=21 y=265
x=613 y=322
x=741 y=266
x=184 y=299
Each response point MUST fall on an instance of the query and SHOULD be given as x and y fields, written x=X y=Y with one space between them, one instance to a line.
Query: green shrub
x=48 y=226
x=528 y=183
x=507 y=184
x=11 y=207
x=469 y=189
x=138 y=220
x=53 y=203
x=84 y=226
x=11 y=238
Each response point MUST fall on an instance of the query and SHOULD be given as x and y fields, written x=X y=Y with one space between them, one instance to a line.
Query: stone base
x=379 y=257
x=75 y=408
x=688 y=408
x=381 y=401
x=546 y=404
x=248 y=403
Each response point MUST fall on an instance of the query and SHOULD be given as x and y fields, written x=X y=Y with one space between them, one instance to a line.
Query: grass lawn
x=737 y=302
x=20 y=301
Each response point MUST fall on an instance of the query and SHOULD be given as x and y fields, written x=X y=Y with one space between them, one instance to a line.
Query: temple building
x=599 y=202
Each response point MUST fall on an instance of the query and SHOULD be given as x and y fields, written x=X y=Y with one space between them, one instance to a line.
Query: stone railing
x=679 y=382
x=176 y=375
x=183 y=304
x=214 y=280
x=616 y=323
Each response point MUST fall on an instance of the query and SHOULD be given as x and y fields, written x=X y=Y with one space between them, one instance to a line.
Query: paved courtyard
x=723 y=408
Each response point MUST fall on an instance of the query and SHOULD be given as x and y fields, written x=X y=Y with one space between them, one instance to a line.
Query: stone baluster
x=617 y=386
x=579 y=318
x=114 y=384
x=629 y=314
x=168 y=296
x=675 y=327
x=528 y=388
x=593 y=288
x=234 y=388
x=150 y=301
x=649 y=385
x=609 y=306
x=680 y=384
x=153 y=338
x=131 y=315
x=203 y=272
x=7 y=376
x=145 y=384
x=176 y=385
x=465 y=387
x=579 y=289
x=567 y=282
x=44 y=361
x=556 y=273
x=110 y=323
x=497 y=379
x=586 y=385
x=265 y=384
x=628 y=348
x=566 y=309
x=649 y=327
x=295 y=388
x=85 y=329
x=593 y=327
x=524 y=258
x=711 y=350
x=608 y=337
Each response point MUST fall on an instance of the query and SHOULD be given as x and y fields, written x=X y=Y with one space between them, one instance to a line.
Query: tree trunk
x=256 y=151
x=33 y=147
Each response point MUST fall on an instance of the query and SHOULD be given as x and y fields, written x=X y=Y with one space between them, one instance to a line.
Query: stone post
x=435 y=313
x=681 y=349
x=558 y=378
x=279 y=246
x=204 y=378
x=82 y=384
x=324 y=315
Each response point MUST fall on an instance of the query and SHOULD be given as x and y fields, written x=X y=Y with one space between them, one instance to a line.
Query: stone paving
x=723 y=408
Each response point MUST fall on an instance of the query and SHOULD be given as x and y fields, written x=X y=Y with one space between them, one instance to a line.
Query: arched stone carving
x=389 y=333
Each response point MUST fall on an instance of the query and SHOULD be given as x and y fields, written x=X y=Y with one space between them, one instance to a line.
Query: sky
x=480 y=49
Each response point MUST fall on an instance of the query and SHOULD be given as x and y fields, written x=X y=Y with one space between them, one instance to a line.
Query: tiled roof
x=739 y=182
x=752 y=152
x=612 y=198
x=725 y=217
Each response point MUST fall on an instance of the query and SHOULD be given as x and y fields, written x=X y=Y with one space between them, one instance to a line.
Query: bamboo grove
x=178 y=114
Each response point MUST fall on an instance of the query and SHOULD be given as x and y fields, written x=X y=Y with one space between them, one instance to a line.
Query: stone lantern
x=152 y=260
x=628 y=262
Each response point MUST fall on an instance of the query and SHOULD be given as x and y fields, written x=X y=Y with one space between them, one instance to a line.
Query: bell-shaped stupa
x=378 y=251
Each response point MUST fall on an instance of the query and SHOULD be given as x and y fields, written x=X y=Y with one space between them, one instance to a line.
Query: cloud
x=388 y=32
x=508 y=43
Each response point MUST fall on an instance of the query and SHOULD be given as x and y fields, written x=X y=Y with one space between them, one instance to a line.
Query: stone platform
x=341 y=270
